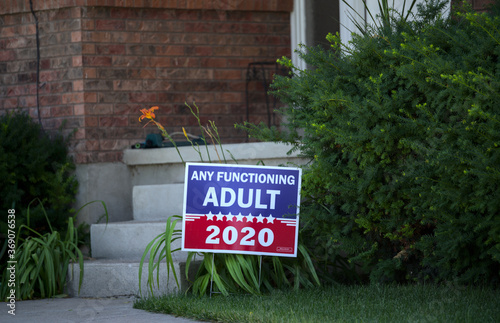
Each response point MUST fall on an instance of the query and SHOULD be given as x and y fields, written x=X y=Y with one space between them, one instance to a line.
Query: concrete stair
x=117 y=247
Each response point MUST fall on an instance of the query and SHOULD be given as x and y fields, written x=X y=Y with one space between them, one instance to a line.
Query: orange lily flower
x=148 y=113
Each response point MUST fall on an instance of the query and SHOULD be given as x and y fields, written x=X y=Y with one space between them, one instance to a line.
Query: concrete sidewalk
x=72 y=310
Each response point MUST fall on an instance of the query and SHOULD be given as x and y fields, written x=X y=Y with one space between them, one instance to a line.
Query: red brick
x=76 y=12
x=114 y=144
x=27 y=101
x=98 y=85
x=229 y=97
x=229 y=28
x=157 y=62
x=170 y=50
x=188 y=14
x=124 y=13
x=198 y=27
x=199 y=50
x=90 y=97
x=284 y=5
x=7 y=55
x=89 y=73
x=101 y=24
x=91 y=121
x=98 y=109
x=58 y=87
x=214 y=62
x=9 y=103
x=88 y=24
x=129 y=61
x=142 y=97
x=127 y=85
x=228 y=74
x=113 y=121
x=52 y=123
x=156 y=3
x=88 y=49
x=200 y=97
x=81 y=158
x=239 y=62
x=61 y=111
x=50 y=100
x=79 y=109
x=157 y=85
x=112 y=49
x=69 y=98
x=171 y=26
x=140 y=49
x=244 y=16
x=109 y=157
x=77 y=61
x=17 y=90
x=159 y=38
x=186 y=62
x=126 y=109
x=147 y=74
x=91 y=145
x=96 y=60
x=78 y=85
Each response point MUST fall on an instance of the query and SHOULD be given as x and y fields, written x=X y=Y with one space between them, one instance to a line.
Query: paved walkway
x=72 y=310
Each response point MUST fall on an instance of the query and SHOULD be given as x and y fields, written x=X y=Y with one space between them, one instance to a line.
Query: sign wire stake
x=260 y=269
x=212 y=275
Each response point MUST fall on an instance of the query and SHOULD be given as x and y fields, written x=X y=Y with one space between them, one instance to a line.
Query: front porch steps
x=117 y=247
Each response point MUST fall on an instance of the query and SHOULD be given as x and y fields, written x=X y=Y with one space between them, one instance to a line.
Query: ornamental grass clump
x=41 y=260
x=402 y=127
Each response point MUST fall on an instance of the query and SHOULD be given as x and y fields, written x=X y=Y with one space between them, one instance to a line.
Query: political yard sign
x=241 y=209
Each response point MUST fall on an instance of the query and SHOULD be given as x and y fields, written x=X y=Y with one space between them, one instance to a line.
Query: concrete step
x=115 y=277
x=128 y=240
x=157 y=202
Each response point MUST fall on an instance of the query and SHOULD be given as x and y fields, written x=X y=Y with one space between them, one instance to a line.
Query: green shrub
x=403 y=131
x=34 y=166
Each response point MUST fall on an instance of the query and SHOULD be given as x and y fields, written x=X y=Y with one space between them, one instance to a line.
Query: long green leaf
x=310 y=266
x=235 y=266
x=159 y=249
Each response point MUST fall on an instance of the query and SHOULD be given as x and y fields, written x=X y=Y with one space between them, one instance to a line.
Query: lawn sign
x=241 y=209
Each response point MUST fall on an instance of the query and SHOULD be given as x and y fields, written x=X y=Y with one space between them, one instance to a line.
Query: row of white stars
x=239 y=217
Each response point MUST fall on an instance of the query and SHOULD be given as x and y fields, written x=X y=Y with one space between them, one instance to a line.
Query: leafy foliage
x=160 y=249
x=231 y=273
x=42 y=259
x=34 y=165
x=402 y=129
x=42 y=262
x=234 y=273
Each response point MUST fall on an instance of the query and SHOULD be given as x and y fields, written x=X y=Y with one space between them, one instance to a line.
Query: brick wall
x=60 y=79
x=102 y=61
x=478 y=5
x=481 y=5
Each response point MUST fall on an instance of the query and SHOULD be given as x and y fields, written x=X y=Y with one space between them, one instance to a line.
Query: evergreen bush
x=34 y=168
x=402 y=126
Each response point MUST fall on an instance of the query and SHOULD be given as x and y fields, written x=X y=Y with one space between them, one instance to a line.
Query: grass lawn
x=339 y=304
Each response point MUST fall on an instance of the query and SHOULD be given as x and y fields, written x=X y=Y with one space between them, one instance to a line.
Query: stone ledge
x=241 y=152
